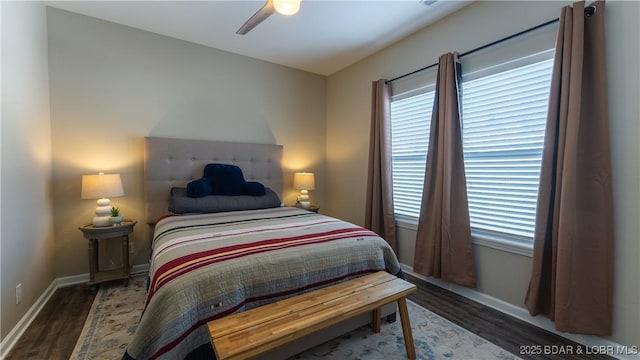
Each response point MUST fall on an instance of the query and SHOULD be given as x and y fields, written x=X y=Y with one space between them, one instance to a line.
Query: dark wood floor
x=516 y=336
x=54 y=332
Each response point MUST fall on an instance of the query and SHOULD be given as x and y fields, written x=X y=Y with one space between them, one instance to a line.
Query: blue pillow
x=225 y=179
x=199 y=188
x=254 y=188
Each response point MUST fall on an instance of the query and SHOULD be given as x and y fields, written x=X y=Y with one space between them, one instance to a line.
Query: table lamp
x=304 y=182
x=101 y=187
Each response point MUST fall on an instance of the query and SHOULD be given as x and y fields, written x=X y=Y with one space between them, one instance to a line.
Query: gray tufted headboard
x=174 y=162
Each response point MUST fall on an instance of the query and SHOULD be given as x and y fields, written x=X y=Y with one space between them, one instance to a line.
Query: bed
x=207 y=265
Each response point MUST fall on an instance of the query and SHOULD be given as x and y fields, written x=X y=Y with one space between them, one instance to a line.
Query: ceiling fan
x=284 y=7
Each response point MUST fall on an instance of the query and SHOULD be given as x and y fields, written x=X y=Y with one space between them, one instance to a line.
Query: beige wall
x=26 y=237
x=112 y=85
x=501 y=275
x=623 y=71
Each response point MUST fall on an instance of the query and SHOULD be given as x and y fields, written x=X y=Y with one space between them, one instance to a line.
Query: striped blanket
x=208 y=266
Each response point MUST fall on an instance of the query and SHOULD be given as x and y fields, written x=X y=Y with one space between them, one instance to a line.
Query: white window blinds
x=410 y=122
x=504 y=111
x=504 y=94
x=503 y=117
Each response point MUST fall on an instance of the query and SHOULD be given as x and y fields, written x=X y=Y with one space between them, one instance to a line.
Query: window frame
x=521 y=245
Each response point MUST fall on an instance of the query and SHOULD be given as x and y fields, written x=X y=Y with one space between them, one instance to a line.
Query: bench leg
x=406 y=328
x=375 y=324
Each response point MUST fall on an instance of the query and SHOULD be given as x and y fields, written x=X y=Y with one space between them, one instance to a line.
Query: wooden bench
x=254 y=332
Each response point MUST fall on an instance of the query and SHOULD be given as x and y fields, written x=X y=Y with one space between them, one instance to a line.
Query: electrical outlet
x=18 y=293
x=131 y=248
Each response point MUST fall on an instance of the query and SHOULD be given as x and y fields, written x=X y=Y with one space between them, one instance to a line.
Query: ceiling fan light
x=286 y=7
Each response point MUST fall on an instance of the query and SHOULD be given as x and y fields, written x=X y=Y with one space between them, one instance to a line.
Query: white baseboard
x=598 y=344
x=83 y=278
x=14 y=335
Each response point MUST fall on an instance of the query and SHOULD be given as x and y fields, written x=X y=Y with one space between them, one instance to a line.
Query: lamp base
x=103 y=212
x=304 y=199
x=101 y=221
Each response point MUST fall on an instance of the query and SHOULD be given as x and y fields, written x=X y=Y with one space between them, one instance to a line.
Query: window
x=504 y=112
x=410 y=124
x=504 y=117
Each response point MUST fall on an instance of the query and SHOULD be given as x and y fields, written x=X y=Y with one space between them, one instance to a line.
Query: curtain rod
x=589 y=10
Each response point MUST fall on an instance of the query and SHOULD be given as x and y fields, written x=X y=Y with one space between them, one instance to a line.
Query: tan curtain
x=379 y=207
x=443 y=242
x=572 y=275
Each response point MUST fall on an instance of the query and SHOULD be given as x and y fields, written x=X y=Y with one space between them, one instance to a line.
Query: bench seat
x=254 y=332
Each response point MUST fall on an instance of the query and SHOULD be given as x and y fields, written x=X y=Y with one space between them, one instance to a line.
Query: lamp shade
x=286 y=7
x=101 y=186
x=304 y=181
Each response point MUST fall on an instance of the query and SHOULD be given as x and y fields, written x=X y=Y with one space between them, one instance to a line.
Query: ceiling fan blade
x=260 y=15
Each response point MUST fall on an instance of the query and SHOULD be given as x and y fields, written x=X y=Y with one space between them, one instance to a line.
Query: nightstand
x=94 y=235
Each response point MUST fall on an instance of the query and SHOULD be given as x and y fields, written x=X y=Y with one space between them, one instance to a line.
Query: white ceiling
x=323 y=37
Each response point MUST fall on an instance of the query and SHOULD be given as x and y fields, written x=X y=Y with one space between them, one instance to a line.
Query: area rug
x=116 y=311
x=434 y=338
x=112 y=320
